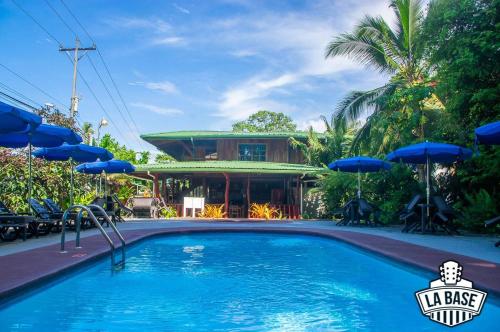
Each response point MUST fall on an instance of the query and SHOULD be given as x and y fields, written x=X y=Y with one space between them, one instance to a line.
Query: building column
x=226 y=195
x=248 y=197
x=156 y=186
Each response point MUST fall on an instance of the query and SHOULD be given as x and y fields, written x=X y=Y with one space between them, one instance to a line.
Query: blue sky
x=184 y=65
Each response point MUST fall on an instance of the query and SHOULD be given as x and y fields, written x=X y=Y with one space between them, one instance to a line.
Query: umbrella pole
x=30 y=180
x=71 y=197
x=428 y=187
x=359 y=184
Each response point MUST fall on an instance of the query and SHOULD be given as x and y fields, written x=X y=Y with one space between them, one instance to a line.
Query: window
x=252 y=152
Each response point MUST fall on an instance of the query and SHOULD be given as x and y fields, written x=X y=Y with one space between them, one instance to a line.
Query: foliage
x=168 y=212
x=334 y=145
x=475 y=209
x=122 y=152
x=212 y=211
x=164 y=158
x=314 y=204
x=461 y=39
x=264 y=211
x=265 y=121
x=50 y=179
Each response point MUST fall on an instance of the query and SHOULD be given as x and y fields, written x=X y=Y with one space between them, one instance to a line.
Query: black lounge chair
x=493 y=222
x=11 y=221
x=53 y=207
x=103 y=203
x=444 y=216
x=45 y=221
x=57 y=213
x=365 y=210
x=121 y=208
x=347 y=213
x=409 y=215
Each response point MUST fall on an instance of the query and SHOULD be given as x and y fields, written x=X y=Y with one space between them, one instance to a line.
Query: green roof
x=220 y=166
x=186 y=135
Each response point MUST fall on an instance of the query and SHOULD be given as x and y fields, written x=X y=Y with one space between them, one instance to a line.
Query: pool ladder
x=82 y=208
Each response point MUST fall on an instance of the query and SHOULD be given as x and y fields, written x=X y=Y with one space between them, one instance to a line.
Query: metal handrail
x=98 y=225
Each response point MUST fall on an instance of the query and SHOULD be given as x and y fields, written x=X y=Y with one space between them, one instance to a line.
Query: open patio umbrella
x=79 y=153
x=488 y=134
x=358 y=165
x=13 y=119
x=42 y=136
x=108 y=167
x=427 y=152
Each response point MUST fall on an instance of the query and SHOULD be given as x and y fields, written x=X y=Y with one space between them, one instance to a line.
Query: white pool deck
x=477 y=246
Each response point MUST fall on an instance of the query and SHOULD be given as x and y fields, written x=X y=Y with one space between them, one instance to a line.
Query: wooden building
x=234 y=169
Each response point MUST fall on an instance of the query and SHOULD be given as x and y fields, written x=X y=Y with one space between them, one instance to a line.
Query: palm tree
x=334 y=143
x=88 y=133
x=394 y=51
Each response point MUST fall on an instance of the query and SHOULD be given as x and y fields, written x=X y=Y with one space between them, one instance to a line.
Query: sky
x=185 y=65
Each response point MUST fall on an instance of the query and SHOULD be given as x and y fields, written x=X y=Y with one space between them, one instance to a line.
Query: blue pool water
x=235 y=282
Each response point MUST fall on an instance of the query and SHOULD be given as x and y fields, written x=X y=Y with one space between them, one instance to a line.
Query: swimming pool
x=237 y=282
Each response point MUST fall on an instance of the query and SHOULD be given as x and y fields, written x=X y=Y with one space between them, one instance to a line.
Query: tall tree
x=395 y=51
x=265 y=121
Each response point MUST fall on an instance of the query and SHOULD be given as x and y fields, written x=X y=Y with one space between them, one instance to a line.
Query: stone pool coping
x=28 y=269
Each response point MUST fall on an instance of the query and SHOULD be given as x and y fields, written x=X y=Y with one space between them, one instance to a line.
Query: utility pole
x=76 y=58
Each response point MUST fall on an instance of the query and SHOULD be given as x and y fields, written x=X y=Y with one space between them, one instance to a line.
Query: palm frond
x=362 y=48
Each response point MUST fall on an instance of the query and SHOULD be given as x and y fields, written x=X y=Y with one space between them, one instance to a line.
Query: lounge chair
x=444 y=216
x=121 y=209
x=409 y=215
x=347 y=213
x=145 y=207
x=44 y=221
x=57 y=212
x=102 y=202
x=11 y=221
x=365 y=210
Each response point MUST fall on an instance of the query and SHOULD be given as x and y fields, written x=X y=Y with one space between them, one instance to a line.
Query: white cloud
x=181 y=9
x=169 y=41
x=243 y=53
x=157 y=109
x=293 y=45
x=163 y=86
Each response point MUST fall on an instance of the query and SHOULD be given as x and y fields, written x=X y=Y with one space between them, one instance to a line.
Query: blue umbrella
x=79 y=153
x=488 y=134
x=427 y=152
x=358 y=165
x=42 y=136
x=108 y=167
x=13 y=119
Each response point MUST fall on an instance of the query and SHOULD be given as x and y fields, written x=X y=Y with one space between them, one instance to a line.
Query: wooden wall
x=277 y=150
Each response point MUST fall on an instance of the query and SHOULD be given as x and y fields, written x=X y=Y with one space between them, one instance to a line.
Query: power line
x=111 y=97
x=81 y=76
x=6 y=87
x=107 y=70
x=34 y=85
x=36 y=22
x=14 y=99
x=60 y=18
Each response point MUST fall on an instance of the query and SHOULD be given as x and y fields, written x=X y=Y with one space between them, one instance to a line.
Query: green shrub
x=168 y=212
x=475 y=209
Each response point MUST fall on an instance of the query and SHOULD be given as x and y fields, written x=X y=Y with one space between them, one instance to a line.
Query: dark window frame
x=263 y=157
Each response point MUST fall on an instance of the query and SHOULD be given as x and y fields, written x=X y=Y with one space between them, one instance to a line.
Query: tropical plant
x=213 y=211
x=168 y=212
x=264 y=211
x=396 y=52
x=321 y=149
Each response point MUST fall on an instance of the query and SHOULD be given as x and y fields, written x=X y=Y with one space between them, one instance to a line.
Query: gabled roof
x=205 y=134
x=220 y=166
